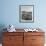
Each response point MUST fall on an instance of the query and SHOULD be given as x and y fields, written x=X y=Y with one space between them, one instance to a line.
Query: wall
x=10 y=13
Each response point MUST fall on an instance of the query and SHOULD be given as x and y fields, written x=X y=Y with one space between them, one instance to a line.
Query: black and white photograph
x=26 y=13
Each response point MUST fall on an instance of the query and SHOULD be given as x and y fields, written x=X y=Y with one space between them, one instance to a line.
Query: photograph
x=26 y=13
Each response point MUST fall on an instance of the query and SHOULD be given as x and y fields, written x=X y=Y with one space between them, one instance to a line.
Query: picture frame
x=26 y=13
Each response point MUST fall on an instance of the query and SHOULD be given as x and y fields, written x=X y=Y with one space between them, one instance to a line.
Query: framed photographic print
x=26 y=13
